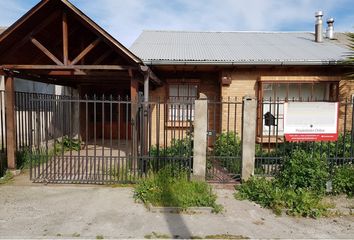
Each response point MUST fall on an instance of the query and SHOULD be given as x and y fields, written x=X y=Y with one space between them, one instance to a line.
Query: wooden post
x=134 y=89
x=10 y=122
x=65 y=40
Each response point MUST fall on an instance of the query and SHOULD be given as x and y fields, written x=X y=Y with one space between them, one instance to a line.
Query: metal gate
x=224 y=140
x=105 y=139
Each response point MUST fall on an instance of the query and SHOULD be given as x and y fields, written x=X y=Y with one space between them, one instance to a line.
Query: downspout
x=146 y=86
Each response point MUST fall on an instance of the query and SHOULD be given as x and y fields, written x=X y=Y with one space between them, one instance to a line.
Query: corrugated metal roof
x=183 y=47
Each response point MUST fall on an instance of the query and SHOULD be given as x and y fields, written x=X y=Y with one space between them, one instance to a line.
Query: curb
x=190 y=210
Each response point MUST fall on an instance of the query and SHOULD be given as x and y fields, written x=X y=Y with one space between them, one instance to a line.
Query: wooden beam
x=10 y=122
x=65 y=40
x=46 y=51
x=86 y=51
x=34 y=31
x=70 y=67
x=66 y=73
x=59 y=41
x=102 y=57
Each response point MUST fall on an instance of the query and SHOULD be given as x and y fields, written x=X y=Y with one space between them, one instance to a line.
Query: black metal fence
x=224 y=140
x=101 y=139
x=272 y=149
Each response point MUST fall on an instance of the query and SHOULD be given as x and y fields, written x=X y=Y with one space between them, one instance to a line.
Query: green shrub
x=67 y=144
x=304 y=170
x=179 y=152
x=227 y=145
x=171 y=188
x=227 y=150
x=25 y=158
x=343 y=180
x=178 y=147
x=269 y=194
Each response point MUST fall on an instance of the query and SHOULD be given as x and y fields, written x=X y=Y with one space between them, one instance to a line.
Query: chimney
x=330 y=30
x=318 y=27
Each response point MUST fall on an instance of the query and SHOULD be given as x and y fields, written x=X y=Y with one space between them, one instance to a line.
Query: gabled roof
x=250 y=48
x=37 y=13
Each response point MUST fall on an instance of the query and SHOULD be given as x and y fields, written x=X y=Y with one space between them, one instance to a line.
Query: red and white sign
x=310 y=121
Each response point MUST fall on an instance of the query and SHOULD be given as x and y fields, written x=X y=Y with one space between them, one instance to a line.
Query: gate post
x=249 y=121
x=200 y=138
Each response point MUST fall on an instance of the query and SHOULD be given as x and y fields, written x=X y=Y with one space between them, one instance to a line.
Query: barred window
x=181 y=97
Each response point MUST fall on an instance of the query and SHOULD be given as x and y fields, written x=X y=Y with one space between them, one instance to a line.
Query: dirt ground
x=85 y=211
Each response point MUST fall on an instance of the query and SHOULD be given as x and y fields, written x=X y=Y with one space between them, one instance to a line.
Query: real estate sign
x=310 y=121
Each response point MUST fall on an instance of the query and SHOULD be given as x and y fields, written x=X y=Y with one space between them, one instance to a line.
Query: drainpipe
x=146 y=86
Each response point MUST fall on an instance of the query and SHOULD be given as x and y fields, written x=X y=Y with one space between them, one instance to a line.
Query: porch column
x=134 y=89
x=10 y=122
x=146 y=113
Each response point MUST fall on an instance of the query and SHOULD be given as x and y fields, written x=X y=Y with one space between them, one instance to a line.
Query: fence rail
x=106 y=139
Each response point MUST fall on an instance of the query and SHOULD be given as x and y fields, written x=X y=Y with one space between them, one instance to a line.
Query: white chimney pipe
x=330 y=29
x=318 y=27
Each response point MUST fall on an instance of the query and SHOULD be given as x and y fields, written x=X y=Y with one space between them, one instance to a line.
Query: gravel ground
x=82 y=211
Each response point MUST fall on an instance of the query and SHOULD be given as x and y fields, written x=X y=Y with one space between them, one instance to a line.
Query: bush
x=298 y=187
x=67 y=144
x=267 y=193
x=227 y=145
x=304 y=170
x=179 y=153
x=25 y=158
x=171 y=188
x=343 y=180
x=227 y=151
x=178 y=147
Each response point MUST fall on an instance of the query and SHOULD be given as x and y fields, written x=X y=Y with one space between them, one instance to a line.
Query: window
x=181 y=97
x=274 y=95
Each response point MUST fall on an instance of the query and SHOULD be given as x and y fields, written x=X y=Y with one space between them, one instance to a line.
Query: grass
x=8 y=178
x=225 y=236
x=76 y=234
x=170 y=187
x=155 y=235
x=99 y=237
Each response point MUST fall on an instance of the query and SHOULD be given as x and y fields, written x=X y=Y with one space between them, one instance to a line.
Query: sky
x=126 y=19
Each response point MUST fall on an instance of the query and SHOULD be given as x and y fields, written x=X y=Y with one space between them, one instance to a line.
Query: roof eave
x=235 y=63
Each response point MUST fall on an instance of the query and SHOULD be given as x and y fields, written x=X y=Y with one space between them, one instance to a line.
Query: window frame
x=180 y=82
x=333 y=97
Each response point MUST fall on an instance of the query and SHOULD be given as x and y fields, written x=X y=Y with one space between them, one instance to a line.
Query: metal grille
x=224 y=140
x=103 y=139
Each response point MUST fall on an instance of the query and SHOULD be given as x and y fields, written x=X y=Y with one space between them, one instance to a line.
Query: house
x=228 y=65
x=125 y=103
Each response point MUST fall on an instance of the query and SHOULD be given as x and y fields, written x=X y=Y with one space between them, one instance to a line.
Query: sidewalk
x=79 y=211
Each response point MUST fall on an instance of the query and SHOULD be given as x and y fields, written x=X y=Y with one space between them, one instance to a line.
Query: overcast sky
x=125 y=19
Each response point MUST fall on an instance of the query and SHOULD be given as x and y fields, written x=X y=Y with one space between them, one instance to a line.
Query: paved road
x=77 y=211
